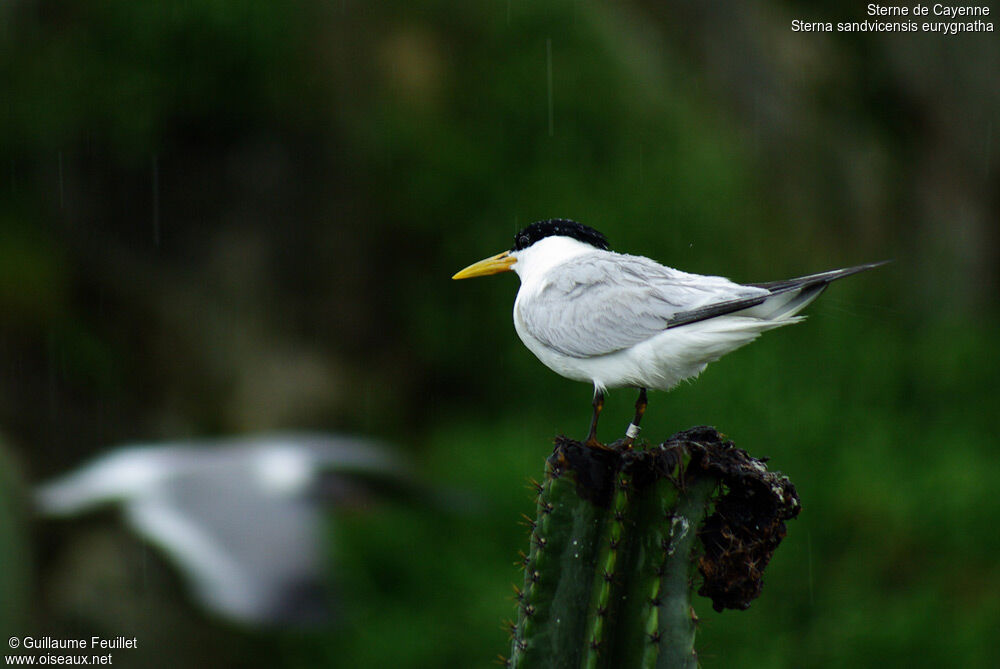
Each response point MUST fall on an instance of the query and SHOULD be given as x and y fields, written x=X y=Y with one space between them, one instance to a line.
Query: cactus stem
x=609 y=574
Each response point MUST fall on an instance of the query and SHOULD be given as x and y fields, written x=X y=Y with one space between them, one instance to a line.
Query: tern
x=242 y=517
x=617 y=320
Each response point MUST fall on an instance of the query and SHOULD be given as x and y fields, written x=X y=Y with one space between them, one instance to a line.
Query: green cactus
x=14 y=555
x=609 y=573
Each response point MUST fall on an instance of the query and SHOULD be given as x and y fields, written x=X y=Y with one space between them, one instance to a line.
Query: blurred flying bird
x=615 y=320
x=243 y=518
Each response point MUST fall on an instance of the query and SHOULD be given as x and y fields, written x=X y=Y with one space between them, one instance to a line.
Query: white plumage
x=615 y=320
x=602 y=317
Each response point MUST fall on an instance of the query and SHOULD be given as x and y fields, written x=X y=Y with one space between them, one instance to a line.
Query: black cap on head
x=562 y=227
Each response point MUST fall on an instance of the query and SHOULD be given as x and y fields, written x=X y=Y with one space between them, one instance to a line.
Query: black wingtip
x=816 y=283
x=848 y=271
x=821 y=277
x=873 y=265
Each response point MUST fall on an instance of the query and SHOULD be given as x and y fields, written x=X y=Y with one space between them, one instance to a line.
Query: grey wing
x=248 y=555
x=598 y=305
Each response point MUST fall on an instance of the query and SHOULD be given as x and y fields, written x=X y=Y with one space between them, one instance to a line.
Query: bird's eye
x=523 y=240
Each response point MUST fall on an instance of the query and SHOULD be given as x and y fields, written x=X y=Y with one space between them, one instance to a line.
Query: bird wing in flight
x=249 y=555
x=593 y=306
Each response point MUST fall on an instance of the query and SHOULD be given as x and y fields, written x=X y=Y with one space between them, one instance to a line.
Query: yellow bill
x=501 y=262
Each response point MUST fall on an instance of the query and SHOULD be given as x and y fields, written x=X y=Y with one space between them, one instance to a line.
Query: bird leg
x=598 y=406
x=633 y=429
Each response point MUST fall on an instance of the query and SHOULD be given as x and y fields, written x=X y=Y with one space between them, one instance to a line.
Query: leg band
x=633 y=431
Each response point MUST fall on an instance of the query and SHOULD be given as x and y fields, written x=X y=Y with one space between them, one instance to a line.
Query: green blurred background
x=223 y=217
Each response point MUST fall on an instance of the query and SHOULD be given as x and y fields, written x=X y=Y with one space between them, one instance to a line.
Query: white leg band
x=633 y=431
